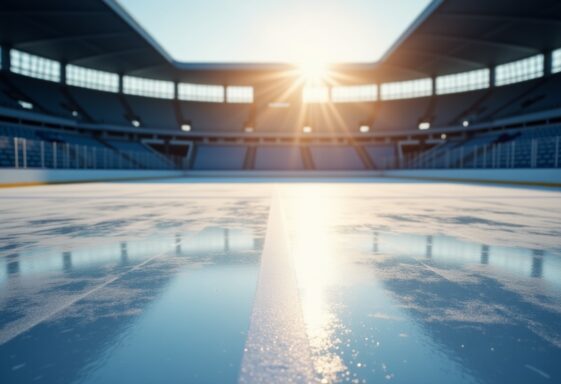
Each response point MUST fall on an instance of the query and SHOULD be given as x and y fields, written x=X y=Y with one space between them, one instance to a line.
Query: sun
x=313 y=71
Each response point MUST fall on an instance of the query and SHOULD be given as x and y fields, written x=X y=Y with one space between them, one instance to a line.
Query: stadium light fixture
x=364 y=128
x=135 y=123
x=25 y=104
x=186 y=127
x=424 y=125
x=465 y=123
x=307 y=129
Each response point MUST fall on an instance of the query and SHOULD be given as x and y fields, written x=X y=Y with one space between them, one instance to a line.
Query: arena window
x=34 y=66
x=148 y=87
x=556 y=61
x=200 y=92
x=354 y=93
x=91 y=78
x=462 y=82
x=315 y=94
x=521 y=70
x=407 y=89
x=238 y=94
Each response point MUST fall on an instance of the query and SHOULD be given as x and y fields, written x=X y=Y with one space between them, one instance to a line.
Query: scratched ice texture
x=207 y=281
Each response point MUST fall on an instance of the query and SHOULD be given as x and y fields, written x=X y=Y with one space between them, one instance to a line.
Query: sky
x=275 y=30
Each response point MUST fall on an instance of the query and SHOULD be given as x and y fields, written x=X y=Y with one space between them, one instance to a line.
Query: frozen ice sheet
x=394 y=281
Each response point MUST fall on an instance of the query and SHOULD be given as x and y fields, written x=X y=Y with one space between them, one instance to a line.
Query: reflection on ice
x=394 y=284
x=385 y=305
x=316 y=267
x=440 y=249
x=115 y=310
x=208 y=241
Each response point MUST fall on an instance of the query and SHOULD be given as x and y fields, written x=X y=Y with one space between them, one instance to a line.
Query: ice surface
x=265 y=281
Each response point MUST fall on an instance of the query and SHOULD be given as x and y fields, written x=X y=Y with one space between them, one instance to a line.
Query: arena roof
x=91 y=33
x=450 y=36
x=454 y=36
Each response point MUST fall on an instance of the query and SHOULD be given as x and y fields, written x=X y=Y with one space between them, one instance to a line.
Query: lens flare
x=313 y=71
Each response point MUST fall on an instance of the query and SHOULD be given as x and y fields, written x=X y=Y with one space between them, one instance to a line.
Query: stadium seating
x=382 y=155
x=338 y=117
x=154 y=113
x=45 y=95
x=450 y=109
x=538 y=147
x=105 y=107
x=50 y=145
x=336 y=157
x=286 y=120
x=46 y=148
x=220 y=157
x=139 y=154
x=542 y=98
x=215 y=117
x=401 y=115
x=279 y=157
x=500 y=98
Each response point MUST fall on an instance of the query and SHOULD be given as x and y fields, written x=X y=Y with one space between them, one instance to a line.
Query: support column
x=120 y=83
x=62 y=72
x=6 y=58
x=492 y=79
x=547 y=63
x=433 y=78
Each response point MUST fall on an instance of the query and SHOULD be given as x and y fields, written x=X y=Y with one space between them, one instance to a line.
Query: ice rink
x=226 y=281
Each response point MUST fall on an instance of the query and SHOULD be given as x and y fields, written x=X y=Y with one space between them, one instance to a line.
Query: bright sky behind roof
x=275 y=30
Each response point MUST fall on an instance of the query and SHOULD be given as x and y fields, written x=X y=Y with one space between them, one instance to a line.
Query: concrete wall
x=511 y=176
x=14 y=177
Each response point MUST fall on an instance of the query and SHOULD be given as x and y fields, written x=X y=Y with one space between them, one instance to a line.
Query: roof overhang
x=449 y=36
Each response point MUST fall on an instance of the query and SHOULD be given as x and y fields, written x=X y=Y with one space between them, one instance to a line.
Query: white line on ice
x=277 y=348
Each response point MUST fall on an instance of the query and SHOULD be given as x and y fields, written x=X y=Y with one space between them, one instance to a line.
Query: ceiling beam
x=52 y=12
x=471 y=40
x=69 y=38
x=500 y=18
x=468 y=63
x=106 y=55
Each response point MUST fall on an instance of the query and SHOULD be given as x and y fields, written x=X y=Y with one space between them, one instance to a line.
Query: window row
x=42 y=68
x=91 y=78
x=148 y=87
x=34 y=66
x=463 y=82
x=521 y=70
x=407 y=89
x=556 y=61
x=340 y=94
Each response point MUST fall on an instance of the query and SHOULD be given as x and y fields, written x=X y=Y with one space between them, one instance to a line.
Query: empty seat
x=336 y=157
x=279 y=157
x=220 y=157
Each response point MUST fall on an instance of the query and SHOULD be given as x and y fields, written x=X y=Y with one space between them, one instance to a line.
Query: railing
x=16 y=152
x=521 y=153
